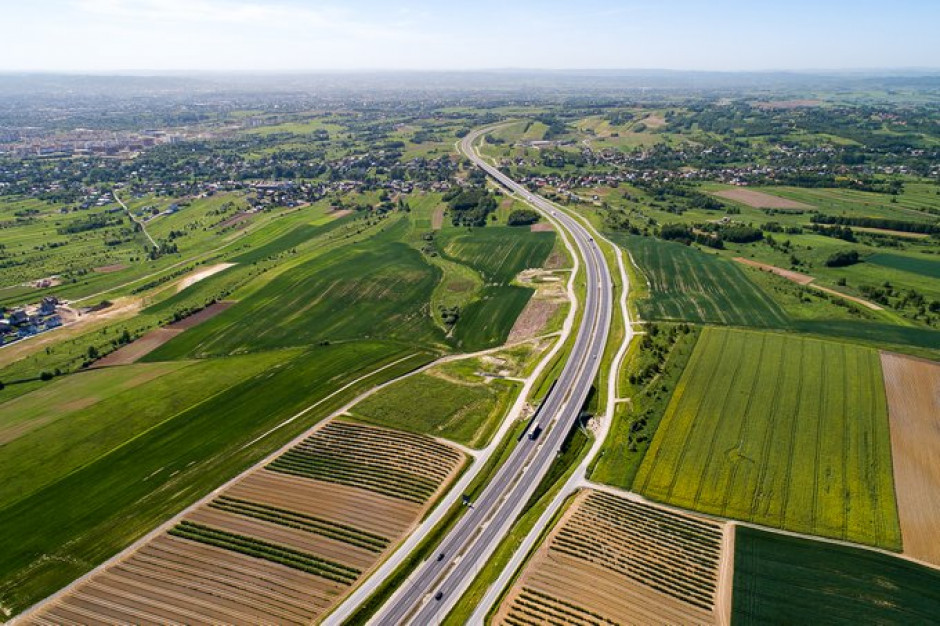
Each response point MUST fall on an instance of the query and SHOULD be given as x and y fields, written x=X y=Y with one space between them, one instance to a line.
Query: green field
x=914 y=265
x=74 y=420
x=780 y=430
x=498 y=254
x=789 y=580
x=465 y=409
x=78 y=519
x=380 y=289
x=690 y=285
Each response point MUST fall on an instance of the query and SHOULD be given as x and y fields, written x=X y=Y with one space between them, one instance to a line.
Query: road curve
x=437 y=584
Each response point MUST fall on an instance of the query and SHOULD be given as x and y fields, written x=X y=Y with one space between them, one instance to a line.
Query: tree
x=93 y=353
x=523 y=217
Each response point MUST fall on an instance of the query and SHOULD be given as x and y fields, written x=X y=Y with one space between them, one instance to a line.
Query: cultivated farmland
x=760 y=200
x=100 y=482
x=780 y=430
x=780 y=579
x=498 y=254
x=282 y=545
x=614 y=561
x=689 y=285
x=913 y=387
x=379 y=289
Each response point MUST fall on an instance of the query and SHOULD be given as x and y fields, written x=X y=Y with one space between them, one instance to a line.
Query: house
x=5 y=326
x=18 y=318
x=48 y=305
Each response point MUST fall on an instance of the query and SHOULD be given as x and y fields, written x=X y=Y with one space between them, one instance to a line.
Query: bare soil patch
x=913 y=388
x=893 y=233
x=533 y=319
x=107 y=269
x=556 y=261
x=797 y=277
x=613 y=560
x=863 y=302
x=139 y=348
x=541 y=227
x=201 y=316
x=202 y=274
x=760 y=200
x=654 y=121
x=235 y=219
x=437 y=218
x=340 y=213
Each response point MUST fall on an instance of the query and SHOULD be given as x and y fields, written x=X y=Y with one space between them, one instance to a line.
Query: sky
x=314 y=35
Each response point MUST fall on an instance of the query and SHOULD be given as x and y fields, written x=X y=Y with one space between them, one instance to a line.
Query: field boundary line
x=724 y=593
x=143 y=226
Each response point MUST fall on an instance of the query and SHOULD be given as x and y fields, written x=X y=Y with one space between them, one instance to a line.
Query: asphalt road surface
x=436 y=585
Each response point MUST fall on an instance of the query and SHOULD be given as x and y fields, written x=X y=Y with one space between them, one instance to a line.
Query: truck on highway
x=535 y=432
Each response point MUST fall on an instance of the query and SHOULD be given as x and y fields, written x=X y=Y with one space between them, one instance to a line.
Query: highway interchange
x=438 y=583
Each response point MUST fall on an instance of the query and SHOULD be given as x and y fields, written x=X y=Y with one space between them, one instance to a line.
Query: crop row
x=268 y=551
x=417 y=447
x=701 y=565
x=682 y=531
x=543 y=607
x=291 y=519
x=378 y=479
x=386 y=459
x=673 y=554
x=644 y=571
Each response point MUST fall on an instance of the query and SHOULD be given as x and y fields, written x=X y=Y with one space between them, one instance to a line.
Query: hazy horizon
x=296 y=36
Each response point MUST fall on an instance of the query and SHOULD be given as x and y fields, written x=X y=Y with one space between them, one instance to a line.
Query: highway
x=436 y=585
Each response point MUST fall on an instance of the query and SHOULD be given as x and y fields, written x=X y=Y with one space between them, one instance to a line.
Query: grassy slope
x=780 y=579
x=635 y=422
x=785 y=431
x=71 y=525
x=464 y=410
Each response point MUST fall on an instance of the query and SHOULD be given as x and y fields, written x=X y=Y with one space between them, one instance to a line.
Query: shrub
x=843 y=258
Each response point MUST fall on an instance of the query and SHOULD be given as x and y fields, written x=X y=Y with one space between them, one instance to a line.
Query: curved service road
x=433 y=589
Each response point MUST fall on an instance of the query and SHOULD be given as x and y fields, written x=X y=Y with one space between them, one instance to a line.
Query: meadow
x=780 y=430
x=71 y=524
x=780 y=579
x=441 y=403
